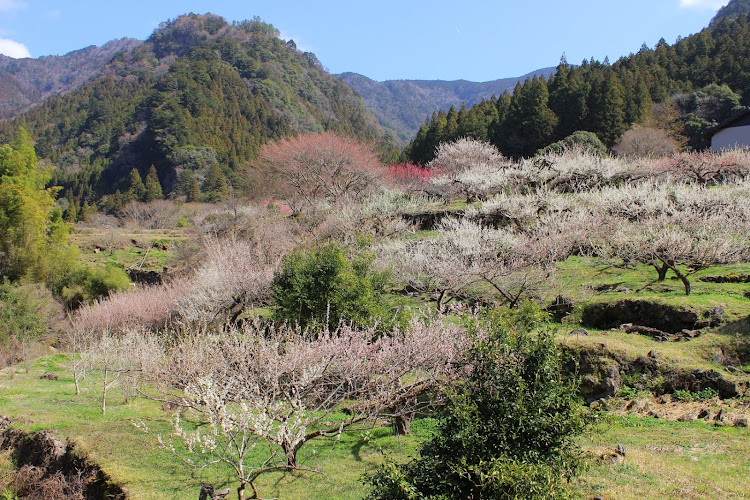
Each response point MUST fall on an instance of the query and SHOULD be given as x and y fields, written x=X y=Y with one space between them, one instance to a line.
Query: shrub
x=25 y=311
x=85 y=284
x=689 y=396
x=646 y=142
x=324 y=286
x=509 y=432
x=580 y=140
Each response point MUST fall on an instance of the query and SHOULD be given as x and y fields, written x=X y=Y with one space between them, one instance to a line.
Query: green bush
x=324 y=286
x=508 y=432
x=25 y=311
x=588 y=141
x=690 y=396
x=85 y=284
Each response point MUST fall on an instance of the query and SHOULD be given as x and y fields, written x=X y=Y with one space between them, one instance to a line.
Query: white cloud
x=703 y=4
x=13 y=49
x=11 y=5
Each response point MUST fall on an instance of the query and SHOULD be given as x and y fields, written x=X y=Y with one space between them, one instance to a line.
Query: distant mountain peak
x=731 y=10
x=402 y=106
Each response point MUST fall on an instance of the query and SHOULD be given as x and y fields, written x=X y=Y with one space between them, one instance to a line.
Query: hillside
x=25 y=82
x=199 y=95
x=403 y=105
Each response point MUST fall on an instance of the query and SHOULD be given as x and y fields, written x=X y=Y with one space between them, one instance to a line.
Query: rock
x=688 y=417
x=729 y=389
x=612 y=380
x=733 y=369
x=655 y=356
x=579 y=332
x=49 y=376
x=704 y=413
x=719 y=417
x=740 y=421
x=655 y=333
x=718 y=357
x=642 y=405
x=649 y=363
x=690 y=334
x=664 y=399
x=650 y=314
x=616 y=457
x=560 y=307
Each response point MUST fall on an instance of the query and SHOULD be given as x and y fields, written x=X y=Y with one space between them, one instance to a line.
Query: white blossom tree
x=682 y=244
x=278 y=389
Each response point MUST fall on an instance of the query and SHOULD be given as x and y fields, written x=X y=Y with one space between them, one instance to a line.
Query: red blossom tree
x=320 y=167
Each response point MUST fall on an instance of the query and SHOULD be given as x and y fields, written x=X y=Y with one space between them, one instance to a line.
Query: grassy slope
x=133 y=458
x=576 y=277
x=669 y=460
x=664 y=460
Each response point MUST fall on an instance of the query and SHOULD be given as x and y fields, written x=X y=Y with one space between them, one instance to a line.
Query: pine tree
x=540 y=121
x=71 y=213
x=135 y=188
x=83 y=214
x=194 y=192
x=152 y=189
x=215 y=186
x=607 y=108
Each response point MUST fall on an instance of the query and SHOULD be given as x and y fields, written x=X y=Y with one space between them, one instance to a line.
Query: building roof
x=737 y=120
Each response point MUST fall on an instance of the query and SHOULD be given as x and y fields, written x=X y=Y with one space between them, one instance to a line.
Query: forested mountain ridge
x=196 y=100
x=25 y=82
x=682 y=89
x=402 y=105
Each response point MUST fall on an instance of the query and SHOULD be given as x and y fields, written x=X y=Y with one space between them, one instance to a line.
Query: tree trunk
x=440 y=302
x=661 y=270
x=402 y=423
x=682 y=277
x=685 y=282
x=291 y=453
x=104 y=394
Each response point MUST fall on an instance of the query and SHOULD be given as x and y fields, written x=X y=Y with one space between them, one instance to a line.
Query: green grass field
x=133 y=458
x=664 y=459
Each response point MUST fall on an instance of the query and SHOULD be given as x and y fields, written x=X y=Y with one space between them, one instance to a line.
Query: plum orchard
x=282 y=388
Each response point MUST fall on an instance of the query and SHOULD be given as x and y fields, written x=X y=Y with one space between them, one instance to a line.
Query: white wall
x=730 y=138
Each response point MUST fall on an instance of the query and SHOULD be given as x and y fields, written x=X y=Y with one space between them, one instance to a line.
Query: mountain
x=402 y=106
x=196 y=100
x=26 y=82
x=731 y=10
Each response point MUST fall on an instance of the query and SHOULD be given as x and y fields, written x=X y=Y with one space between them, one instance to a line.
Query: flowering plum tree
x=280 y=388
x=321 y=167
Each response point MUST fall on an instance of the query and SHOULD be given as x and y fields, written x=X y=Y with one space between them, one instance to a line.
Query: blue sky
x=384 y=39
